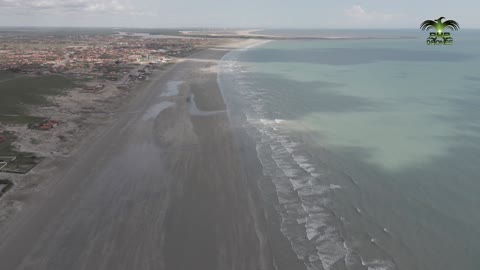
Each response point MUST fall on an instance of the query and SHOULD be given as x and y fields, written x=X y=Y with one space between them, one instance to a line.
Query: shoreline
x=282 y=248
x=175 y=178
x=250 y=34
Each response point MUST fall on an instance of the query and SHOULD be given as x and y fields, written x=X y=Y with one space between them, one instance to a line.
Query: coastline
x=282 y=249
x=256 y=34
x=173 y=176
x=177 y=177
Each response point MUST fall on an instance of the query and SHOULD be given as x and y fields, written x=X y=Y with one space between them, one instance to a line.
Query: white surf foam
x=300 y=185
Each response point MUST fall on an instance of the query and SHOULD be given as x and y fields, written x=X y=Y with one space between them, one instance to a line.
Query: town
x=83 y=54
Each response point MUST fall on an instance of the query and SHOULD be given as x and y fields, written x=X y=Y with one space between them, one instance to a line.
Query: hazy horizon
x=346 y=14
x=212 y=28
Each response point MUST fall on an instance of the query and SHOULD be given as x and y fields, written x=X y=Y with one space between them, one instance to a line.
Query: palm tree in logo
x=439 y=26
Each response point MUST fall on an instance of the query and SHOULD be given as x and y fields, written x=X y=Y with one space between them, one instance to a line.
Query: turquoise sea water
x=371 y=147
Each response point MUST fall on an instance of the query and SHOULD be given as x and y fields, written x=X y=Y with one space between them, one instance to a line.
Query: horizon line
x=232 y=28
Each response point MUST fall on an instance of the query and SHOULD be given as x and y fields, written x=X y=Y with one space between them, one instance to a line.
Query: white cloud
x=8 y=3
x=360 y=16
x=70 y=6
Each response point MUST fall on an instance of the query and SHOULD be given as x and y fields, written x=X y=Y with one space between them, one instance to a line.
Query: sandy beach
x=163 y=186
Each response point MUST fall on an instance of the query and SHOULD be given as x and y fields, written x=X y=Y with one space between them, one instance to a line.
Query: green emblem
x=440 y=37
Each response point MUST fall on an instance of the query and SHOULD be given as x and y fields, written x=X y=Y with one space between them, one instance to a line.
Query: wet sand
x=162 y=187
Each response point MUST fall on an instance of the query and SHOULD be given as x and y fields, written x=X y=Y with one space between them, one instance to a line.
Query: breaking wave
x=304 y=196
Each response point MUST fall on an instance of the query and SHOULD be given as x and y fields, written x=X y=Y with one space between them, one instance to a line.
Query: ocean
x=370 y=148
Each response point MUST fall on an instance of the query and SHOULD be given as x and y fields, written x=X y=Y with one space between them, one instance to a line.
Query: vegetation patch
x=13 y=161
x=22 y=163
x=21 y=91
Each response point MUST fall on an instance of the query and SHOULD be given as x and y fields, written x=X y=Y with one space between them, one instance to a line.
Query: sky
x=236 y=14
